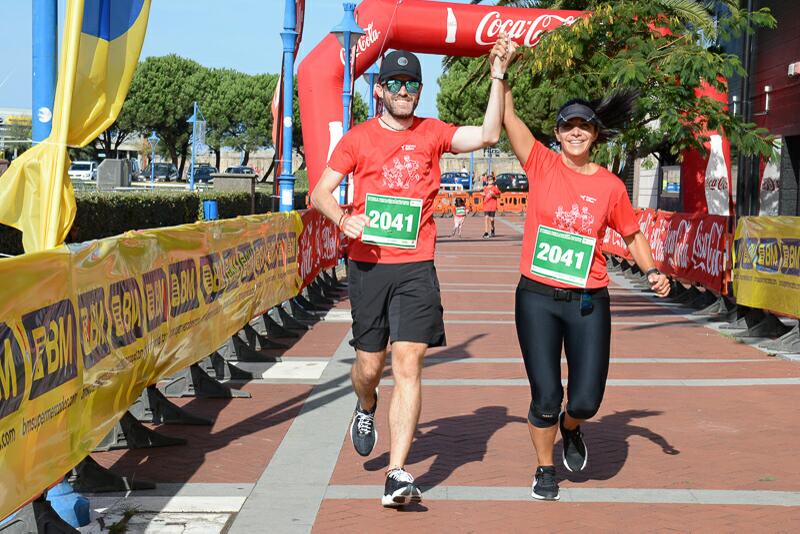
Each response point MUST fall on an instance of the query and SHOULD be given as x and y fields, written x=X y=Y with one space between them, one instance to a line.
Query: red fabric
x=581 y=204
x=318 y=245
x=490 y=195
x=400 y=164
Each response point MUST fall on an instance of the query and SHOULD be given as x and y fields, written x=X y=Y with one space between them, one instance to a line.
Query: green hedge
x=107 y=214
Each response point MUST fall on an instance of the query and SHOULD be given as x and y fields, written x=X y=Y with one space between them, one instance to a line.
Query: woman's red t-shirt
x=401 y=164
x=562 y=198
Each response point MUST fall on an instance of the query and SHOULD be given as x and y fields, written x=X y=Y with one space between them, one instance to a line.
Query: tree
x=664 y=48
x=160 y=99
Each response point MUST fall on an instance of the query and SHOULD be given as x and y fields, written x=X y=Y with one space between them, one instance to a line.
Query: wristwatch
x=652 y=271
x=502 y=77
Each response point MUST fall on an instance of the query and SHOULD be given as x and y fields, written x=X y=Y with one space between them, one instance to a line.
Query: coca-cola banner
x=420 y=26
x=318 y=246
x=688 y=246
x=766 y=269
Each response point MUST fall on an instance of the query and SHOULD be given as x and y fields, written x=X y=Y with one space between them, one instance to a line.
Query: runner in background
x=394 y=291
x=562 y=299
x=490 y=195
x=459 y=214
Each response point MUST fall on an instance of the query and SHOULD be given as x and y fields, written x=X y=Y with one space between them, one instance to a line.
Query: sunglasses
x=412 y=87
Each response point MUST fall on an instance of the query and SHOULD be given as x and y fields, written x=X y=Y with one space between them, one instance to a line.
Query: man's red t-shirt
x=490 y=195
x=561 y=198
x=402 y=164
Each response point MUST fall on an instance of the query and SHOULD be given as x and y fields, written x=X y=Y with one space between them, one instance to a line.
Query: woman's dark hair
x=459 y=202
x=612 y=112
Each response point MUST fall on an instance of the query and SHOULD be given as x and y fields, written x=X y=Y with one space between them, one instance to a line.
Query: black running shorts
x=398 y=301
x=489 y=213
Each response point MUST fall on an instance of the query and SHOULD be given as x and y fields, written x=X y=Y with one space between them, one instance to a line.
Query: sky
x=239 y=34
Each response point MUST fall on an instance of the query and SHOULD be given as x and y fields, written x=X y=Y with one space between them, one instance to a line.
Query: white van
x=83 y=170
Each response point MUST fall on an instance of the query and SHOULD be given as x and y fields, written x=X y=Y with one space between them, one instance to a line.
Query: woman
x=562 y=298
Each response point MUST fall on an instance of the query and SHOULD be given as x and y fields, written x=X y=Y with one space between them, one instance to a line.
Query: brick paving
x=662 y=458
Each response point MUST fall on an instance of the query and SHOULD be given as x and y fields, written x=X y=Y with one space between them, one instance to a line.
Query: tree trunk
x=184 y=154
x=246 y=156
x=217 y=156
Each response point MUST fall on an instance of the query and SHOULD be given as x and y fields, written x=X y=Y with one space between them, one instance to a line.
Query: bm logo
x=52 y=336
x=182 y=287
x=12 y=372
x=94 y=326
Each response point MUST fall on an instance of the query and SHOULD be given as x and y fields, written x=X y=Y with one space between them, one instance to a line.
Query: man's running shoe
x=362 y=429
x=492 y=234
x=400 y=489
x=575 y=454
x=486 y=235
x=545 y=487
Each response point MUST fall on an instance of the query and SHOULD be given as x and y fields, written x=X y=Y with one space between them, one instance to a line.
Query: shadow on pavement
x=607 y=442
x=452 y=442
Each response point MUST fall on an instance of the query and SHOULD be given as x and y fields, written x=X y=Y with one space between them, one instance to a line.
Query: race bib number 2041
x=562 y=256
x=393 y=221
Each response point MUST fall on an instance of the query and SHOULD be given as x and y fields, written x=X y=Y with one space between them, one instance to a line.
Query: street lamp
x=369 y=77
x=153 y=140
x=289 y=40
x=344 y=31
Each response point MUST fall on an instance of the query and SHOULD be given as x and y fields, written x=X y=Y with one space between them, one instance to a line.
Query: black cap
x=400 y=62
x=576 y=110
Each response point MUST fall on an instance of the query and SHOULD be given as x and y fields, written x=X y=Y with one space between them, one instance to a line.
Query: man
x=394 y=291
x=490 y=195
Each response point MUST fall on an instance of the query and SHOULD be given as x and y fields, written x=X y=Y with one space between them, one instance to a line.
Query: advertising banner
x=85 y=328
x=689 y=246
x=318 y=245
x=766 y=271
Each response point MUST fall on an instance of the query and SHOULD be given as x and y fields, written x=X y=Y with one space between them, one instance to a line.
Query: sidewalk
x=696 y=433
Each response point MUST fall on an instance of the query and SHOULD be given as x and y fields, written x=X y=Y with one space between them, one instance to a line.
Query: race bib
x=393 y=221
x=562 y=256
x=460 y=212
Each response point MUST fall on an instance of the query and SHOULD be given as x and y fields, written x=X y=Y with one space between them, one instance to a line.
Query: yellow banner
x=766 y=272
x=84 y=329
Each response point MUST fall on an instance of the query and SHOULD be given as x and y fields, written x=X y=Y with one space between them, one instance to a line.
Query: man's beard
x=390 y=106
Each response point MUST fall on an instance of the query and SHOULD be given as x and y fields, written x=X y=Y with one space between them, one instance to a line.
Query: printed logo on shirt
x=401 y=173
x=587 y=198
x=409 y=148
x=577 y=220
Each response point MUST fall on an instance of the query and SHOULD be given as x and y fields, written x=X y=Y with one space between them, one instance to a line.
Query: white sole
x=402 y=497
x=540 y=498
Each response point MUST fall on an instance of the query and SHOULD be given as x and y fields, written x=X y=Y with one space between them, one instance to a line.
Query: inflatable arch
x=429 y=28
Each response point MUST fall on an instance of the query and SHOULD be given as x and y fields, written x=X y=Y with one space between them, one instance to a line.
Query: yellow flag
x=100 y=51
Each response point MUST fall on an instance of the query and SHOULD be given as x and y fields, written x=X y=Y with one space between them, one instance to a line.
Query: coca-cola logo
x=364 y=42
x=708 y=249
x=770 y=184
x=658 y=238
x=676 y=245
x=526 y=32
x=718 y=183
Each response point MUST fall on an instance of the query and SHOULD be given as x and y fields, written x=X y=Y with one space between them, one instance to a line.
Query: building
x=15 y=124
x=770 y=97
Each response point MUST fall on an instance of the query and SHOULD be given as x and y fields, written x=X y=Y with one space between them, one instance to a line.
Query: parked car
x=203 y=172
x=164 y=172
x=456 y=177
x=512 y=181
x=240 y=169
x=83 y=170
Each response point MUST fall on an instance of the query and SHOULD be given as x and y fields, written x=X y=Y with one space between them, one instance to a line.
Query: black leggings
x=544 y=324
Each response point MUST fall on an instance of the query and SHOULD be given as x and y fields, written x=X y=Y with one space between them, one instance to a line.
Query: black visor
x=576 y=111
